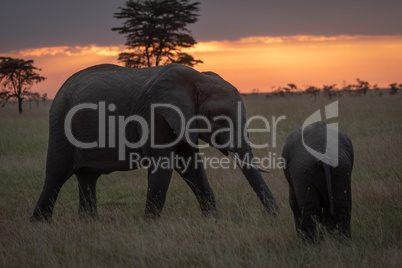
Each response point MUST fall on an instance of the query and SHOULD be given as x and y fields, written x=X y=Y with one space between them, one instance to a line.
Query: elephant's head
x=215 y=108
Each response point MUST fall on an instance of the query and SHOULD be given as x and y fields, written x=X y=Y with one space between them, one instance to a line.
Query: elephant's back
x=299 y=145
x=307 y=147
x=123 y=87
x=115 y=90
x=100 y=81
x=109 y=82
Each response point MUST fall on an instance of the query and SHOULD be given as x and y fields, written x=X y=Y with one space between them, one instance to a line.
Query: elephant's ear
x=175 y=98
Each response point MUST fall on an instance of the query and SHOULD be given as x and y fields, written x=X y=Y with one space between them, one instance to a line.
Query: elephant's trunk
x=252 y=174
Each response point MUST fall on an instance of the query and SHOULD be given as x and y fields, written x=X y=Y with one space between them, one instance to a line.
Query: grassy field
x=243 y=236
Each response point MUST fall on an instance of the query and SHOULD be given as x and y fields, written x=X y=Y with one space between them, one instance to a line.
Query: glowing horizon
x=254 y=62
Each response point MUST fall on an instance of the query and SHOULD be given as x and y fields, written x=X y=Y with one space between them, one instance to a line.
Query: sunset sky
x=252 y=44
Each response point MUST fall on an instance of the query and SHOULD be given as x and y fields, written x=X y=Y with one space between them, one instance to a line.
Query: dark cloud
x=233 y=19
x=32 y=24
x=27 y=24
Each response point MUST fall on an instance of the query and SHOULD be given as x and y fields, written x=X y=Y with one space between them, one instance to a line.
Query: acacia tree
x=394 y=88
x=156 y=32
x=362 y=86
x=328 y=90
x=314 y=91
x=17 y=77
x=292 y=86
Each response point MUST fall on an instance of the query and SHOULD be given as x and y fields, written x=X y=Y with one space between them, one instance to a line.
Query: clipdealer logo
x=115 y=127
x=330 y=156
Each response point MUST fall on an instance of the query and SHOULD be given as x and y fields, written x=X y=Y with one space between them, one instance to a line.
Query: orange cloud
x=252 y=62
x=264 y=42
x=72 y=51
x=267 y=62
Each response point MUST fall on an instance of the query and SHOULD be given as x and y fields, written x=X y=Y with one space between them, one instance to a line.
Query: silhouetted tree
x=328 y=90
x=289 y=90
x=394 y=88
x=156 y=32
x=313 y=91
x=362 y=86
x=17 y=77
x=347 y=88
x=292 y=86
x=279 y=92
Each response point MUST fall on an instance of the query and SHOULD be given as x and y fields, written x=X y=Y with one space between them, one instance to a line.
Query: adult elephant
x=318 y=166
x=104 y=115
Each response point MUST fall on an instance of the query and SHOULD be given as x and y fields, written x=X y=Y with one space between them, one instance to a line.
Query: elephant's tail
x=329 y=186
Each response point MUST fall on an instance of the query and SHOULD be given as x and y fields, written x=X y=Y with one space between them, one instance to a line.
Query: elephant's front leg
x=342 y=202
x=192 y=171
x=158 y=184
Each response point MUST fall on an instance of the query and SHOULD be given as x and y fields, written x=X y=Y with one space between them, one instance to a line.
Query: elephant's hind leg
x=310 y=210
x=44 y=207
x=58 y=171
x=342 y=201
x=294 y=206
x=87 y=192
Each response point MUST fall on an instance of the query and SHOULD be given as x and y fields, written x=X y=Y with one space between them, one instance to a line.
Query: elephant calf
x=318 y=167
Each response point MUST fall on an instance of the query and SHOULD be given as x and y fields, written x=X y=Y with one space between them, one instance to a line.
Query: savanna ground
x=242 y=236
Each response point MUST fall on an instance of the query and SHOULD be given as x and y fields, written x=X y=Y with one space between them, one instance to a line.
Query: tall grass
x=242 y=236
